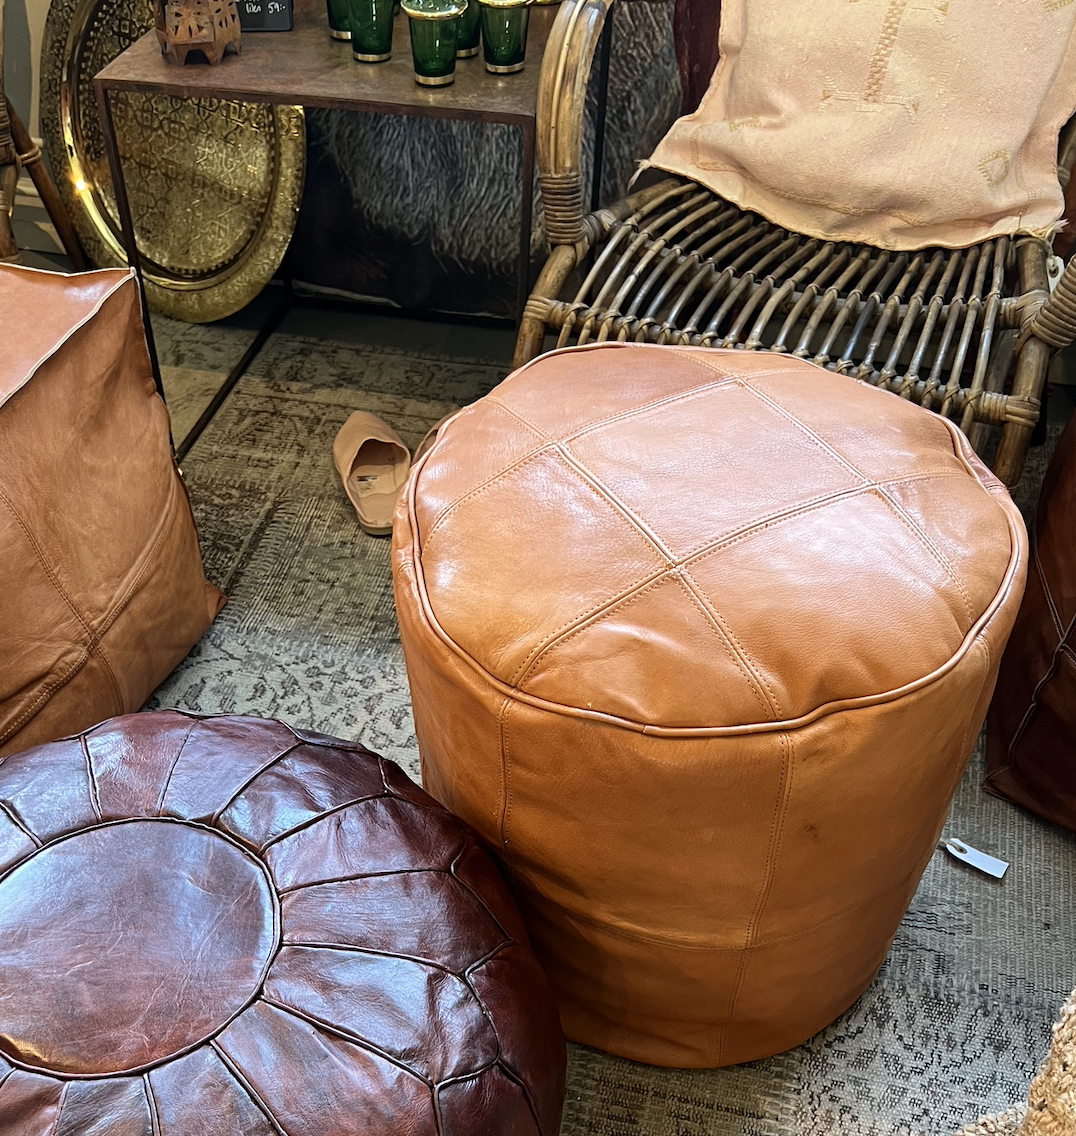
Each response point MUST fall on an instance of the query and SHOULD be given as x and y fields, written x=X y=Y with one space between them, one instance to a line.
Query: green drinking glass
x=371 y=30
x=434 y=29
x=504 y=34
x=469 y=33
x=339 y=27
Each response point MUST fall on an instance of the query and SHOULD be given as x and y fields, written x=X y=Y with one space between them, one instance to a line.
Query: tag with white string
x=991 y=865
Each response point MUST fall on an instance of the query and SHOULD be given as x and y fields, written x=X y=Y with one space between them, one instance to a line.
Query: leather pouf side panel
x=106 y=592
x=732 y=936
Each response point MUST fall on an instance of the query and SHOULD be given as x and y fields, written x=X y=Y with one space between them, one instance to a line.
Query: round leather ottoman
x=226 y=927
x=700 y=642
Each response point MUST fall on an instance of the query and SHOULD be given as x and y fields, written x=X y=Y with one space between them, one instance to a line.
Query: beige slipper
x=372 y=462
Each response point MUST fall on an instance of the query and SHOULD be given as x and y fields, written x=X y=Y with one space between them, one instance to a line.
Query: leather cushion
x=690 y=526
x=224 y=925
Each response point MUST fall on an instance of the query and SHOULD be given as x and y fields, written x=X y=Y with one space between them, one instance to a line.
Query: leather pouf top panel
x=227 y=926
x=690 y=534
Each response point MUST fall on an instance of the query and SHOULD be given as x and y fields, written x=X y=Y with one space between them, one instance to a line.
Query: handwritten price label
x=264 y=15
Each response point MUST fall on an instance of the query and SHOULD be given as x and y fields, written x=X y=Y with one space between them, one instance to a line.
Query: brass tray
x=214 y=186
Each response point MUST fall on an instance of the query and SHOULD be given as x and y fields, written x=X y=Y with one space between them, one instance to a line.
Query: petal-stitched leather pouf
x=227 y=927
x=700 y=642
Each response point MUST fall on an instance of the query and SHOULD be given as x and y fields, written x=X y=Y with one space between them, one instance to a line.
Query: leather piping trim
x=46 y=1071
x=1017 y=542
x=124 y=277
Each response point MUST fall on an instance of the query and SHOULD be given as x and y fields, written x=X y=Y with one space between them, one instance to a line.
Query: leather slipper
x=372 y=462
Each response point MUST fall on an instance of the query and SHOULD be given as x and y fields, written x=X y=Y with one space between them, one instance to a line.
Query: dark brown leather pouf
x=226 y=926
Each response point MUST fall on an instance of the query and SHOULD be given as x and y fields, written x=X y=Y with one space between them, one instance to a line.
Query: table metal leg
x=526 y=218
x=119 y=188
x=236 y=373
x=604 y=49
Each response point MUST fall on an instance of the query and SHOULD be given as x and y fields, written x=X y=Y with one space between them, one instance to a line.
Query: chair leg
x=1032 y=361
x=1031 y=366
x=9 y=177
x=547 y=288
x=30 y=157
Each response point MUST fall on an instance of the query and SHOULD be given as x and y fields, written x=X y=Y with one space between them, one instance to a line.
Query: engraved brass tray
x=214 y=186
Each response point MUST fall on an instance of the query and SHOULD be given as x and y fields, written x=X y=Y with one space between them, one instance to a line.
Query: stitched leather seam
x=350 y=948
x=151 y=1106
x=627 y=518
x=716 y=627
x=849 y=464
x=777 y=826
x=490 y=481
x=551 y=441
x=478 y=490
x=756 y=671
x=309 y=822
x=614 y=603
x=95 y=796
x=488 y=957
x=579 y=622
x=807 y=432
x=546 y=437
x=636 y=936
x=1051 y=672
x=179 y=753
x=60 y=1109
x=692 y=354
x=729 y=641
x=106 y=663
x=791 y=514
x=45 y=565
x=1055 y=615
x=69 y=334
x=251 y=1093
x=19 y=823
x=505 y=802
x=508 y=939
x=510 y=1074
x=653 y=542
x=353 y=1038
x=250 y=778
x=1062 y=634
x=931 y=547
x=95 y=637
x=656 y=403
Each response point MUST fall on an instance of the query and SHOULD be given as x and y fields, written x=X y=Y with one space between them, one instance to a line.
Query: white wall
x=24 y=28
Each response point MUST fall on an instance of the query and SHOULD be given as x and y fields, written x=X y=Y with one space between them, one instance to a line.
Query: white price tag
x=989 y=864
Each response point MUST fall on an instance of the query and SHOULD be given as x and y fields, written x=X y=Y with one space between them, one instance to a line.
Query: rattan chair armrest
x=1055 y=321
x=562 y=91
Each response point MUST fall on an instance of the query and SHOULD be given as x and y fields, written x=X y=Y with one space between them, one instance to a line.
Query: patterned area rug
x=959 y=1016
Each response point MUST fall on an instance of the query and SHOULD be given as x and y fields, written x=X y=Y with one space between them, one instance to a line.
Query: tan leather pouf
x=700 y=642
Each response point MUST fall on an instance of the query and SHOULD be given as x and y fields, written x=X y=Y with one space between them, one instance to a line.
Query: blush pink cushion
x=898 y=124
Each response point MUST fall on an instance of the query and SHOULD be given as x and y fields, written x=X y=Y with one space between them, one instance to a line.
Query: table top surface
x=306 y=67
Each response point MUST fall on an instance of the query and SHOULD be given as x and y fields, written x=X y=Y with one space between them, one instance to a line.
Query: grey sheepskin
x=425 y=212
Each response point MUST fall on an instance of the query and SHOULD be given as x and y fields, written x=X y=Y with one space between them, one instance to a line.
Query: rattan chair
x=968 y=333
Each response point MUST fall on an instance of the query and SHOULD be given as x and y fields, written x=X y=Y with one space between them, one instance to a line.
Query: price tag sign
x=264 y=15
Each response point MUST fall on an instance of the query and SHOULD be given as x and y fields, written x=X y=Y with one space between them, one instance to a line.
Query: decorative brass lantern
x=208 y=26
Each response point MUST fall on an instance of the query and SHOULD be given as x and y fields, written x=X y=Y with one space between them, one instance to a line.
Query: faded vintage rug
x=958 y=1017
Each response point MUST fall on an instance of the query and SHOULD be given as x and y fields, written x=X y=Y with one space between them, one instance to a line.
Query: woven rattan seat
x=965 y=332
